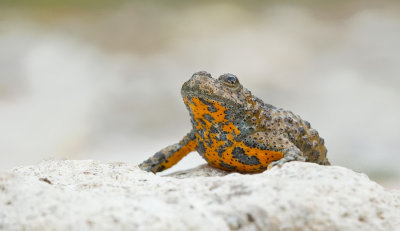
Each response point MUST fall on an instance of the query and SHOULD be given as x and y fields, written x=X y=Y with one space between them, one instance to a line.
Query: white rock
x=87 y=195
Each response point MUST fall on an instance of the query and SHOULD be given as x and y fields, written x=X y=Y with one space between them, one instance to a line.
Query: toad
x=235 y=131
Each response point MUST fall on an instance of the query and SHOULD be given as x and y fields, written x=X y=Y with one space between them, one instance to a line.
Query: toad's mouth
x=209 y=89
x=199 y=87
x=205 y=88
x=205 y=95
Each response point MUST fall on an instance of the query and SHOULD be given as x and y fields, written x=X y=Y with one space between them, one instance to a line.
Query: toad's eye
x=229 y=79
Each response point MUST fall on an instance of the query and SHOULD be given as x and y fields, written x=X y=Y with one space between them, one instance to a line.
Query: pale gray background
x=102 y=80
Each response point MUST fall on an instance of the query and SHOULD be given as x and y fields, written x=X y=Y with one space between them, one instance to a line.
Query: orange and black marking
x=216 y=140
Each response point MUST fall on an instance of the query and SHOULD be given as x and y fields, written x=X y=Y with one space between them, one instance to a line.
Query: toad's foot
x=291 y=154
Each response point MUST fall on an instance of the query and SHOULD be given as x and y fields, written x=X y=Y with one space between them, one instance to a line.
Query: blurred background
x=98 y=79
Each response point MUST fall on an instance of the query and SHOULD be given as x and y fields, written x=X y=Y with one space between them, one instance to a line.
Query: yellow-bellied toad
x=236 y=131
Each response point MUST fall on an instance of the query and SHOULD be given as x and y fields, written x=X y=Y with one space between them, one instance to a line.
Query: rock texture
x=87 y=195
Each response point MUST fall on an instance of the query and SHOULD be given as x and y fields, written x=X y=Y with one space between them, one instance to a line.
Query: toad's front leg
x=170 y=155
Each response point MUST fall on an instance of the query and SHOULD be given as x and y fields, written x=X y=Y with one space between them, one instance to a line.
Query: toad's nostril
x=202 y=73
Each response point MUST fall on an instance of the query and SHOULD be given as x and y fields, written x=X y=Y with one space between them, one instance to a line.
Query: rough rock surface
x=87 y=195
